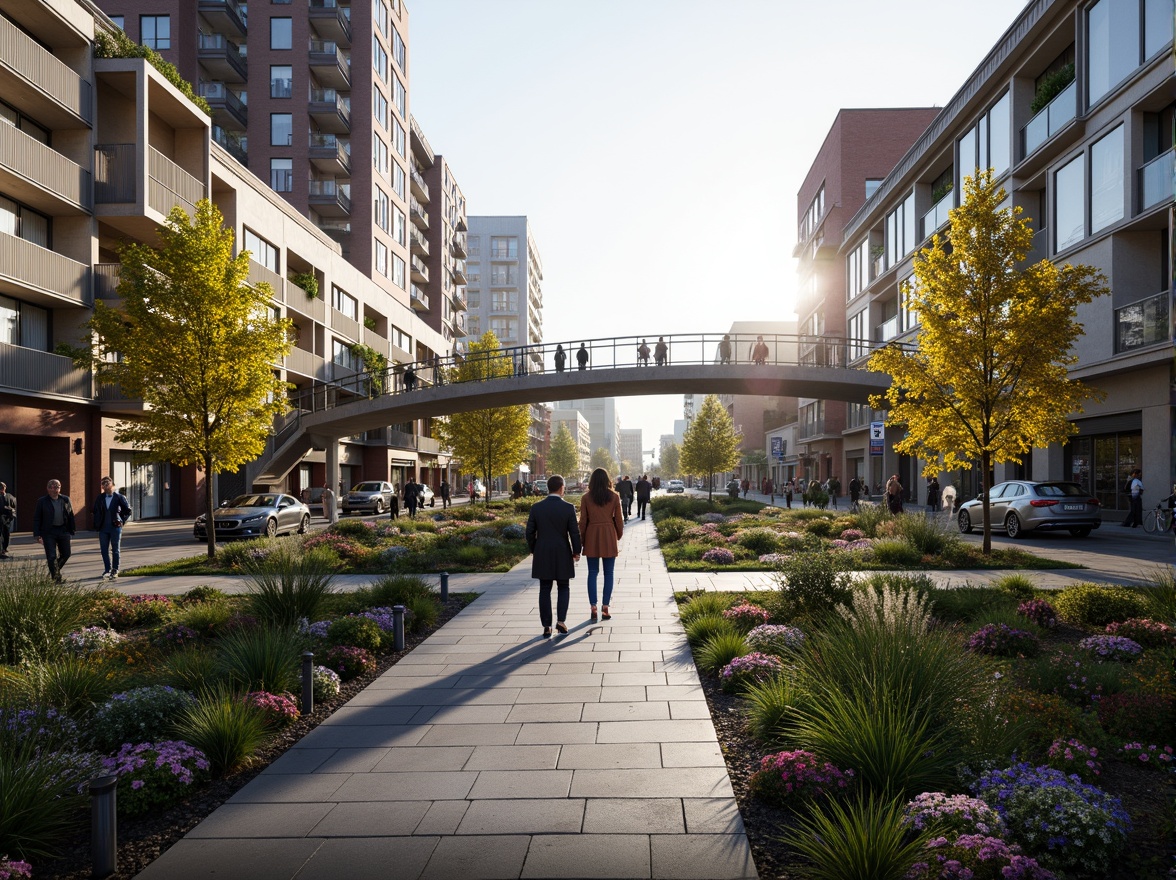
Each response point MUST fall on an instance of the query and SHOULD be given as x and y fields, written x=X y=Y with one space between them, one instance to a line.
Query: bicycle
x=1158 y=520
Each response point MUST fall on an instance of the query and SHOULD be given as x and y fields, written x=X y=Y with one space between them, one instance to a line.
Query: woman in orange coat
x=601 y=525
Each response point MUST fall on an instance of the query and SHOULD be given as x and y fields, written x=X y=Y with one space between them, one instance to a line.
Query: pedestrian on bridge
x=725 y=349
x=561 y=358
x=582 y=356
x=759 y=352
x=643 y=354
x=409 y=378
x=661 y=352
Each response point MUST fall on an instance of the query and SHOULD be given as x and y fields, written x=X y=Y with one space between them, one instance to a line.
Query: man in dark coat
x=644 y=490
x=109 y=512
x=53 y=527
x=626 y=490
x=7 y=519
x=553 y=537
x=411 y=497
x=582 y=357
x=444 y=494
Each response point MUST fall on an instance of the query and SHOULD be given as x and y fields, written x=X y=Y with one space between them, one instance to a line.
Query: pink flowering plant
x=1003 y=641
x=747 y=616
x=976 y=857
x=350 y=662
x=279 y=709
x=156 y=774
x=1073 y=758
x=953 y=815
x=1145 y=631
x=14 y=870
x=1112 y=648
x=718 y=556
x=750 y=668
x=851 y=535
x=1153 y=756
x=1040 y=612
x=792 y=779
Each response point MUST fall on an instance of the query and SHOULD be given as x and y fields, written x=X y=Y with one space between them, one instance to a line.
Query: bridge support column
x=333 y=463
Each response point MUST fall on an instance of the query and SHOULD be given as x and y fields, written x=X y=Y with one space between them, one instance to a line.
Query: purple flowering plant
x=279 y=709
x=1147 y=632
x=976 y=857
x=718 y=556
x=18 y=870
x=1157 y=757
x=777 y=639
x=774 y=559
x=155 y=774
x=1112 y=648
x=1003 y=641
x=953 y=815
x=349 y=662
x=791 y=779
x=1040 y=612
x=174 y=636
x=1073 y=758
x=753 y=667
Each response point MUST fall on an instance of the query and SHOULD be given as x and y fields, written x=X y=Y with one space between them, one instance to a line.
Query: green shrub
x=1051 y=86
x=759 y=541
x=422 y=613
x=36 y=612
x=772 y=708
x=893 y=580
x=1017 y=585
x=683 y=506
x=143 y=714
x=672 y=528
x=1098 y=604
x=192 y=669
x=471 y=555
x=929 y=535
x=868 y=517
x=289 y=584
x=395 y=589
x=706 y=626
x=119 y=45
x=74 y=685
x=819 y=527
x=206 y=619
x=358 y=632
x=704 y=603
x=262 y=658
x=895 y=552
x=812 y=582
x=719 y=650
x=969 y=604
x=226 y=728
x=1074 y=675
x=203 y=594
x=235 y=554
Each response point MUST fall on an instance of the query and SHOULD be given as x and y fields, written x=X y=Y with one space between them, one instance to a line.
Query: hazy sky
x=658 y=145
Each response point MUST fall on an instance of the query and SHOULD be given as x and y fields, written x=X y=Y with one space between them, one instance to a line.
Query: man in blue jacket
x=110 y=511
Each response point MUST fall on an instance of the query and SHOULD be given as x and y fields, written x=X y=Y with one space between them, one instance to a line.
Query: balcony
x=169 y=185
x=41 y=177
x=259 y=274
x=39 y=372
x=938 y=216
x=114 y=174
x=337 y=231
x=418 y=213
x=457 y=245
x=330 y=199
x=330 y=65
x=888 y=330
x=1049 y=120
x=330 y=154
x=221 y=58
x=420 y=189
x=105 y=280
x=33 y=80
x=458 y=269
x=419 y=299
x=420 y=272
x=330 y=110
x=234 y=143
x=225 y=16
x=1143 y=323
x=40 y=276
x=459 y=299
x=420 y=244
x=298 y=300
x=421 y=148
x=306 y=363
x=810 y=430
x=228 y=110
x=1156 y=180
x=331 y=21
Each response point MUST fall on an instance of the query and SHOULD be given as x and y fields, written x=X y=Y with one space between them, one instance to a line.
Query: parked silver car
x=372 y=496
x=255 y=515
x=1019 y=506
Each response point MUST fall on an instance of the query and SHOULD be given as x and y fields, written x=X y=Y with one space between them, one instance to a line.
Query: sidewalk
x=488 y=752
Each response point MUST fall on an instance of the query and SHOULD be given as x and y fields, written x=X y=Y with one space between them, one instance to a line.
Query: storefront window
x=1100 y=465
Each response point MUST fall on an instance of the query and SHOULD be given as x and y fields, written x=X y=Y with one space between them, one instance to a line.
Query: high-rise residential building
x=604 y=422
x=630 y=450
x=1073 y=111
x=581 y=433
x=505 y=283
x=858 y=152
x=98 y=151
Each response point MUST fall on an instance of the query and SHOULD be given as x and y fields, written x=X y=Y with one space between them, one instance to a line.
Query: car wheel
x=378 y=506
x=965 y=522
x=304 y=525
x=1012 y=525
x=1080 y=533
x=271 y=528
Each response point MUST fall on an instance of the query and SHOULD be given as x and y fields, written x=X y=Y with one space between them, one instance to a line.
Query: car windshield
x=367 y=487
x=1058 y=490
x=254 y=501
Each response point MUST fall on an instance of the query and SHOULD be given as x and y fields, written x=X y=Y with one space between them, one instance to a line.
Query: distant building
x=603 y=420
x=580 y=431
x=631 y=451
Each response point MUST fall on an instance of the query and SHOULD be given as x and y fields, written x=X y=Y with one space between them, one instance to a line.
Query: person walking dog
x=553 y=537
x=110 y=511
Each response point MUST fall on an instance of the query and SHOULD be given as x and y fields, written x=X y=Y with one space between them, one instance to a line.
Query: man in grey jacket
x=54 y=527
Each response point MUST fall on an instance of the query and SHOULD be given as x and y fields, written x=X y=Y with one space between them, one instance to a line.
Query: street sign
x=877 y=438
x=778 y=448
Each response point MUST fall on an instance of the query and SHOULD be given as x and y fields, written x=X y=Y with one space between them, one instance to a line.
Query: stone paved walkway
x=489 y=752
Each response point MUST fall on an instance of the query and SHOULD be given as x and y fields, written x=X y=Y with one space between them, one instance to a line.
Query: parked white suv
x=675 y=486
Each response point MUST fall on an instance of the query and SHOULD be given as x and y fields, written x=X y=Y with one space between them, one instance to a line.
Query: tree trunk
x=986 y=483
x=209 y=507
x=710 y=487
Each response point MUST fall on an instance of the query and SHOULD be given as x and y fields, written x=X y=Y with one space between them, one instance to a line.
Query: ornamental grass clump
x=227 y=729
x=753 y=667
x=976 y=857
x=1111 y=648
x=263 y=658
x=1060 y=820
x=1001 y=640
x=289 y=583
x=789 y=779
x=772 y=708
x=1040 y=612
x=1074 y=759
x=719 y=650
x=138 y=715
x=746 y=616
x=778 y=639
x=90 y=640
x=349 y=662
x=704 y=603
x=1147 y=632
x=953 y=815
x=72 y=684
x=154 y=775
x=36 y=613
x=704 y=627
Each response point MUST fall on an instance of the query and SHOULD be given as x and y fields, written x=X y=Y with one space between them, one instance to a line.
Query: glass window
x=383 y=213
x=9 y=321
x=1106 y=180
x=1158 y=16
x=399 y=226
x=381 y=258
x=859 y=336
x=398 y=49
x=380 y=107
x=1121 y=35
x=398 y=277
x=155 y=31
x=399 y=94
x=474 y=246
x=119 y=22
x=379 y=154
x=261 y=251
x=379 y=58
x=281 y=33
x=504 y=300
x=281 y=81
x=342 y=355
x=966 y=167
x=1000 y=136
x=858 y=264
x=504 y=248
x=398 y=177
x=400 y=138
x=281 y=129
x=380 y=16
x=24 y=223
x=871 y=186
x=344 y=303
x=282 y=175
x=900 y=231
x=504 y=274
x=1069 y=203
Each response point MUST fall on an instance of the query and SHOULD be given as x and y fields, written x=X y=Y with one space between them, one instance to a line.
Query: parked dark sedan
x=252 y=516
x=1020 y=506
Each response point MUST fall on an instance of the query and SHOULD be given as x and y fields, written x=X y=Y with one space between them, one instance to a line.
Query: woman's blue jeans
x=593 y=568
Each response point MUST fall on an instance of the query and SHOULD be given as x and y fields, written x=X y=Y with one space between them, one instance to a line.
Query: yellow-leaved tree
x=491 y=442
x=197 y=344
x=988 y=380
x=711 y=443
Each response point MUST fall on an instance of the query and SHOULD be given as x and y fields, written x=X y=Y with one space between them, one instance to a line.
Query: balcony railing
x=114 y=174
x=221 y=96
x=937 y=217
x=1156 y=180
x=224 y=54
x=888 y=330
x=418 y=240
x=27 y=157
x=37 y=67
x=237 y=145
x=306 y=363
x=1050 y=120
x=419 y=297
x=421 y=188
x=170 y=185
x=105 y=280
x=330 y=101
x=418 y=212
x=40 y=372
x=810 y=428
x=259 y=274
x=330 y=190
x=458 y=243
x=1143 y=323
x=42 y=271
x=226 y=13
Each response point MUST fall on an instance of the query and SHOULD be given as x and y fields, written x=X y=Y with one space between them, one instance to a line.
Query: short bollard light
x=444 y=587
x=104 y=825
x=398 y=627
x=307 y=682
